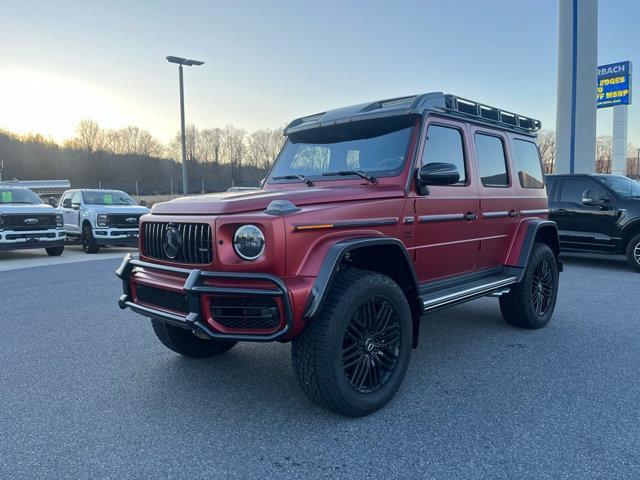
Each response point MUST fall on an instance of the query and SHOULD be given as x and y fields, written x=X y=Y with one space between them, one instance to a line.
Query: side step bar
x=461 y=293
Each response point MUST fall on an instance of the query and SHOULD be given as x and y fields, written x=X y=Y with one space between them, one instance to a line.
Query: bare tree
x=604 y=153
x=192 y=142
x=263 y=147
x=233 y=148
x=211 y=141
x=547 y=146
x=633 y=162
x=89 y=137
x=132 y=140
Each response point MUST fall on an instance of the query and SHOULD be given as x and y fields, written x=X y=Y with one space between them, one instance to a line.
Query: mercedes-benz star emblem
x=172 y=243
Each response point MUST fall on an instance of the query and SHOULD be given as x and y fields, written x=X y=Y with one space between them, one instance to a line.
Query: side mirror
x=53 y=202
x=144 y=203
x=437 y=173
x=66 y=203
x=591 y=198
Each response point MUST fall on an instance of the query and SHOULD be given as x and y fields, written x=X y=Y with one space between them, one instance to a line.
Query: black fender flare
x=533 y=228
x=334 y=257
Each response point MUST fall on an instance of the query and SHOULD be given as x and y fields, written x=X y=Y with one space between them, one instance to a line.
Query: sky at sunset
x=268 y=62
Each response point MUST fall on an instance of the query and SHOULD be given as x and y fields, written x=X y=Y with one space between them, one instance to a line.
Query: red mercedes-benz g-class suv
x=372 y=217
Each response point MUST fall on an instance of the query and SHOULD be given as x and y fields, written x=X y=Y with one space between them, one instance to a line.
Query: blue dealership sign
x=614 y=84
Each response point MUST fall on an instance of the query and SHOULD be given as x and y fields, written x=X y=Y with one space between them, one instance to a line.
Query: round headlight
x=248 y=242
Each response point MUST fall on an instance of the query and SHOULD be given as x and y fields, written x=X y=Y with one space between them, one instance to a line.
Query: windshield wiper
x=295 y=177
x=343 y=173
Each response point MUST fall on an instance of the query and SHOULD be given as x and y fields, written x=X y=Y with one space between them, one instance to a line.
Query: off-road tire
x=55 y=251
x=317 y=353
x=89 y=244
x=185 y=343
x=633 y=252
x=517 y=306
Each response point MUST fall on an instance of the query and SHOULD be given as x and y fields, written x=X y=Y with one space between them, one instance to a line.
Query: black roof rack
x=446 y=104
x=486 y=114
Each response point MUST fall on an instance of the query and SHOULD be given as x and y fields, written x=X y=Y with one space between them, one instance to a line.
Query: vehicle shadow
x=595 y=260
x=259 y=378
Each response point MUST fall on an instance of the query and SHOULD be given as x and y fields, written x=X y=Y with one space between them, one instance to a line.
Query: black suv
x=597 y=213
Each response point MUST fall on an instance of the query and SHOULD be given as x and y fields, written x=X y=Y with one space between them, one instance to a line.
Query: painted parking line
x=17 y=259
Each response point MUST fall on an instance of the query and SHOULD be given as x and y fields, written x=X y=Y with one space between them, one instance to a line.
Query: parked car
x=372 y=217
x=27 y=222
x=597 y=213
x=101 y=217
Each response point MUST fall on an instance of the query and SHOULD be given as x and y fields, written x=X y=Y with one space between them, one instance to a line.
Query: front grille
x=245 y=313
x=16 y=236
x=36 y=222
x=165 y=299
x=120 y=221
x=196 y=245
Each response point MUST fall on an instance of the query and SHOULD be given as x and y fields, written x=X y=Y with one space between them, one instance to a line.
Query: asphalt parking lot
x=88 y=392
x=19 y=259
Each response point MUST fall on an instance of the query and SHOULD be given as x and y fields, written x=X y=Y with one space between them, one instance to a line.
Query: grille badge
x=172 y=242
x=31 y=221
x=131 y=220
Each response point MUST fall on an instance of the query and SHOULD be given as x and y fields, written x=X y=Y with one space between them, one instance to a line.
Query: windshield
x=107 y=197
x=623 y=186
x=19 y=196
x=377 y=147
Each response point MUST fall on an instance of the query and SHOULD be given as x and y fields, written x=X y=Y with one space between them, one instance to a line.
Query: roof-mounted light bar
x=469 y=108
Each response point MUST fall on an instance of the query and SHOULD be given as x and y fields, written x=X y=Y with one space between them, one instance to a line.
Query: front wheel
x=353 y=355
x=633 y=252
x=55 y=251
x=186 y=343
x=89 y=244
x=530 y=303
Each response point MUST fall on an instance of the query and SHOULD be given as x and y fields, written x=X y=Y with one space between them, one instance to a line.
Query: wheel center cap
x=369 y=344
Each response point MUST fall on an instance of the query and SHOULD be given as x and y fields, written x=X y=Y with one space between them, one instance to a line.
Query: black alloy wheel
x=371 y=345
x=542 y=287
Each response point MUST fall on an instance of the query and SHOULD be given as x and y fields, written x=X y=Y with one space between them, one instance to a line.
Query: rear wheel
x=530 y=303
x=186 y=343
x=633 y=252
x=89 y=243
x=352 y=357
x=55 y=251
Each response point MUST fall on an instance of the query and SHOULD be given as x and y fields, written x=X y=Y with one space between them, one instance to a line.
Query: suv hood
x=237 y=202
x=123 y=209
x=21 y=209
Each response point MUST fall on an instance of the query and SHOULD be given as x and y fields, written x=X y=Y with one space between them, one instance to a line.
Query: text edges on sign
x=614 y=85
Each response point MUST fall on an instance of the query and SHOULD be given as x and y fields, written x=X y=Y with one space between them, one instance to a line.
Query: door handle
x=561 y=211
x=513 y=213
x=470 y=216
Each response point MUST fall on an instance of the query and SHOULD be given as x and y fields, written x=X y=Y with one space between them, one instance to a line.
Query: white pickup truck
x=27 y=222
x=101 y=217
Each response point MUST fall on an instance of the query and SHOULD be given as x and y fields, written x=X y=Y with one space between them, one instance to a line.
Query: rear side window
x=444 y=144
x=492 y=161
x=527 y=162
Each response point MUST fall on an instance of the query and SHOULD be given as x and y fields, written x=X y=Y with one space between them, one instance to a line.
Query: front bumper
x=14 y=240
x=194 y=288
x=116 y=236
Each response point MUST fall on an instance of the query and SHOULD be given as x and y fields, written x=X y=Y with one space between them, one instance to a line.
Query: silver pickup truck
x=27 y=222
x=101 y=217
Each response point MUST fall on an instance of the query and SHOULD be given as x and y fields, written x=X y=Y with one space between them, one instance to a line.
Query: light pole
x=189 y=63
